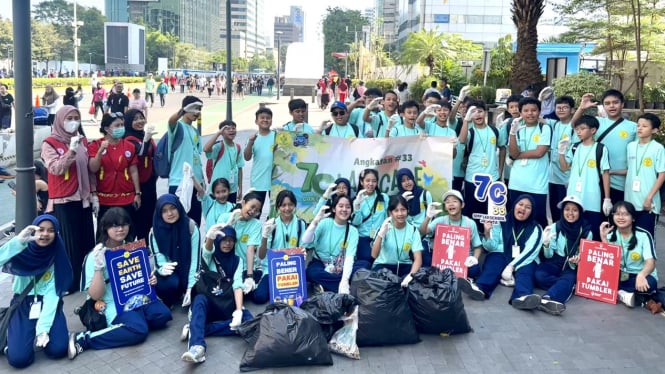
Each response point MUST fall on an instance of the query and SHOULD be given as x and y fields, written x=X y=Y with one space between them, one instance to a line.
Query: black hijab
x=228 y=261
x=573 y=231
x=129 y=120
x=522 y=229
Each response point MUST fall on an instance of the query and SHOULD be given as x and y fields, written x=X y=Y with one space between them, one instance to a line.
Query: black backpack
x=599 y=156
x=469 y=143
x=354 y=127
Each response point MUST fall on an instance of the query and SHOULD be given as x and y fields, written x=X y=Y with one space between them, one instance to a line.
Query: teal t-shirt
x=329 y=241
x=248 y=233
x=213 y=209
x=262 y=151
x=228 y=165
x=465 y=222
x=645 y=162
x=617 y=142
x=584 y=181
x=397 y=244
x=306 y=128
x=189 y=151
x=483 y=157
x=559 y=245
x=284 y=236
x=527 y=255
x=380 y=123
x=560 y=131
x=532 y=175
x=369 y=218
x=402 y=130
x=433 y=129
x=425 y=201
x=237 y=275
x=632 y=261
x=345 y=131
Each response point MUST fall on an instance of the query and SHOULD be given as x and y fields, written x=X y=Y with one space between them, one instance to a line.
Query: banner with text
x=129 y=271
x=307 y=163
x=451 y=248
x=598 y=271
x=287 y=276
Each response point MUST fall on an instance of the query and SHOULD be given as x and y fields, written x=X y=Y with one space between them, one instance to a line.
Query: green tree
x=501 y=64
x=526 y=68
x=6 y=37
x=158 y=45
x=45 y=41
x=336 y=37
x=425 y=47
x=91 y=35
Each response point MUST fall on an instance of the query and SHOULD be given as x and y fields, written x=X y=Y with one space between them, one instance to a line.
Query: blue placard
x=441 y=18
x=287 y=276
x=128 y=267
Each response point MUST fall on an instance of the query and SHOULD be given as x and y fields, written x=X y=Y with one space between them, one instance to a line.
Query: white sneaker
x=196 y=354
x=526 y=302
x=184 y=335
x=468 y=287
x=627 y=298
x=237 y=320
x=508 y=283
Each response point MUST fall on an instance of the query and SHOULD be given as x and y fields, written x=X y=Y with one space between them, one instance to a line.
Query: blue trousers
x=170 y=289
x=524 y=280
x=329 y=281
x=629 y=285
x=471 y=205
x=426 y=254
x=539 y=210
x=130 y=328
x=364 y=251
x=594 y=219
x=201 y=326
x=473 y=272
x=559 y=284
x=401 y=271
x=21 y=335
x=557 y=193
x=647 y=221
x=490 y=276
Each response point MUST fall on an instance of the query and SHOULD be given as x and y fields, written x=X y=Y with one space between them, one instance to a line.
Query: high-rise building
x=386 y=20
x=370 y=14
x=247 y=27
x=116 y=10
x=290 y=32
x=297 y=17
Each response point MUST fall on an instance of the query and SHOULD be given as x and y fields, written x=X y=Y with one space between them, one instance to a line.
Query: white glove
x=385 y=227
x=344 y=287
x=407 y=195
x=268 y=228
x=98 y=254
x=431 y=110
x=393 y=120
x=547 y=236
x=215 y=230
x=407 y=280
x=149 y=133
x=187 y=299
x=453 y=141
x=509 y=161
x=74 y=143
x=94 y=201
x=28 y=234
x=563 y=146
x=374 y=103
x=248 y=285
x=469 y=113
x=601 y=111
x=515 y=126
x=167 y=269
x=463 y=92
x=233 y=218
x=545 y=94
x=329 y=191
x=470 y=261
x=298 y=127
x=607 y=206
x=507 y=273
x=323 y=213
x=433 y=211
x=186 y=170
x=42 y=340
x=194 y=107
x=236 y=319
x=360 y=197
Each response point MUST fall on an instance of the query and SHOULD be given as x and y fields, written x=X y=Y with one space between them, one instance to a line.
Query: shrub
x=577 y=85
x=73 y=82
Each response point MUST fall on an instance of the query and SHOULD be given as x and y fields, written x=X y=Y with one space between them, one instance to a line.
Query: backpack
x=599 y=156
x=300 y=222
x=354 y=127
x=469 y=143
x=40 y=116
x=210 y=165
x=163 y=155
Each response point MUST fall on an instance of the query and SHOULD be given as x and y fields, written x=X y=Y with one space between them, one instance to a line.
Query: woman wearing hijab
x=418 y=200
x=513 y=247
x=558 y=272
x=341 y=187
x=175 y=242
x=38 y=260
x=141 y=137
x=50 y=101
x=70 y=199
x=70 y=97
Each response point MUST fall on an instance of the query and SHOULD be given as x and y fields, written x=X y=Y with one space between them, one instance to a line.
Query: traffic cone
x=129 y=92
x=37 y=104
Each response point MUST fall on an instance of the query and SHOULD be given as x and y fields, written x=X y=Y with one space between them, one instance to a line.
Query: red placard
x=598 y=271
x=451 y=248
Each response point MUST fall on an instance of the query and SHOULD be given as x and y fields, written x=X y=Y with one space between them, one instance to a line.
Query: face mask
x=72 y=126
x=118 y=133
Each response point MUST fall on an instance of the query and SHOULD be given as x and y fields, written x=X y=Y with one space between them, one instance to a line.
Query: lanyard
x=286 y=231
x=398 y=247
x=576 y=240
x=528 y=140
x=518 y=236
x=480 y=139
x=638 y=166
x=461 y=221
x=230 y=159
x=580 y=166
x=624 y=249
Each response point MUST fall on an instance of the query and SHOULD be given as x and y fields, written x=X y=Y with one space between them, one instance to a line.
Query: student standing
x=298 y=110
x=260 y=147
x=6 y=105
x=380 y=110
x=340 y=127
x=562 y=129
x=369 y=206
x=227 y=158
x=408 y=126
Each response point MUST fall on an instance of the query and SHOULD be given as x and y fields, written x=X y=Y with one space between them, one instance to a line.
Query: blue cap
x=338 y=105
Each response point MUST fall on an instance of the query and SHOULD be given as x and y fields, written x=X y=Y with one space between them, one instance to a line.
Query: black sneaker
x=526 y=302
x=552 y=307
x=75 y=346
x=471 y=289
x=4 y=174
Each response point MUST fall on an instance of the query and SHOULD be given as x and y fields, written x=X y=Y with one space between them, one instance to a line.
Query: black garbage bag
x=436 y=302
x=384 y=317
x=283 y=336
x=329 y=308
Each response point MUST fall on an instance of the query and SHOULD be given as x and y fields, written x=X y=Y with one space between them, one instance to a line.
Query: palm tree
x=425 y=47
x=526 y=68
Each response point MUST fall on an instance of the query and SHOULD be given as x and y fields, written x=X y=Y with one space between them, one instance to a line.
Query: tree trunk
x=526 y=67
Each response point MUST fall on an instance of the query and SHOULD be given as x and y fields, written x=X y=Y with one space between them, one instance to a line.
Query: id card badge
x=578 y=186
x=232 y=178
x=484 y=162
x=636 y=186
x=516 y=250
x=624 y=276
x=372 y=233
x=523 y=162
x=35 y=310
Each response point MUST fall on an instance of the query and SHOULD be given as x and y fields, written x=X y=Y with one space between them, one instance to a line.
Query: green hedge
x=382 y=84
x=73 y=82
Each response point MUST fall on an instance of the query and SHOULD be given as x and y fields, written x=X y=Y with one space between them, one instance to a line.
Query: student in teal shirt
x=396 y=241
x=638 y=253
x=229 y=164
x=418 y=200
x=37 y=259
x=260 y=147
x=297 y=110
x=646 y=172
x=215 y=204
x=335 y=242
x=341 y=187
x=369 y=208
x=339 y=127
x=408 y=127
x=562 y=129
x=529 y=145
x=379 y=112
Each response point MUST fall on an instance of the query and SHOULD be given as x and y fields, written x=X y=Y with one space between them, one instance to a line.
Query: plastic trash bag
x=186 y=187
x=283 y=336
x=344 y=341
x=436 y=302
x=384 y=317
x=328 y=309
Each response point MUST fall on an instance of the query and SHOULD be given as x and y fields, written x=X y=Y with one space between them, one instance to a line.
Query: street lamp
x=279 y=42
x=90 y=63
x=77 y=42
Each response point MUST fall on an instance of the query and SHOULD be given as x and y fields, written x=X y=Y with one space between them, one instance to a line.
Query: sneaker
x=508 y=283
x=526 y=302
x=471 y=289
x=550 y=306
x=75 y=346
x=196 y=354
x=184 y=335
x=4 y=174
x=236 y=321
x=627 y=298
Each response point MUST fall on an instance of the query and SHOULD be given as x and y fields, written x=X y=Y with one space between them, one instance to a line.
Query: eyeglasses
x=119 y=226
x=562 y=108
x=339 y=113
x=116 y=115
x=621 y=214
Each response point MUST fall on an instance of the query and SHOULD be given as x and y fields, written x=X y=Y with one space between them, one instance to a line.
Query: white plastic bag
x=343 y=341
x=186 y=187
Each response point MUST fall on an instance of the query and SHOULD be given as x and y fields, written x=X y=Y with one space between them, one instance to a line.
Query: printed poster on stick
x=128 y=267
x=287 y=276
x=598 y=271
x=451 y=248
